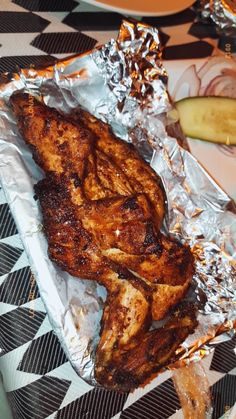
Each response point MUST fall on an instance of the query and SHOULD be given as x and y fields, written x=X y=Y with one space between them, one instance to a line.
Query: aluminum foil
x=223 y=13
x=123 y=83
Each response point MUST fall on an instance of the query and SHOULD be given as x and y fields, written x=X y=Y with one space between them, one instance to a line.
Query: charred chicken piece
x=102 y=209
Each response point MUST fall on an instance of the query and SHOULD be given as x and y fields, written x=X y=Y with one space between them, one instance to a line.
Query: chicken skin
x=103 y=207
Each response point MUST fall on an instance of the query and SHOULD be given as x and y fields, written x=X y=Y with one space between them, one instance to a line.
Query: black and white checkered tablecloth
x=41 y=31
x=39 y=381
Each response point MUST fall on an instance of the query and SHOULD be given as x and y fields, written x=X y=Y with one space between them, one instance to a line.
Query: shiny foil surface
x=124 y=84
x=223 y=13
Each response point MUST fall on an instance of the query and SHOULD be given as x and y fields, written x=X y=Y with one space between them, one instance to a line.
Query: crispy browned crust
x=102 y=208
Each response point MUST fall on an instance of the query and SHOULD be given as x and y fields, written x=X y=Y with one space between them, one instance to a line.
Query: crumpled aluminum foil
x=123 y=83
x=223 y=13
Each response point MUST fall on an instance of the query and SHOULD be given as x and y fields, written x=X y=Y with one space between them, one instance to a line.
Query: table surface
x=37 y=377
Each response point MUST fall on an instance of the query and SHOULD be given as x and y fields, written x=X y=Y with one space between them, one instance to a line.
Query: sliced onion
x=228 y=150
x=215 y=67
x=187 y=85
x=220 y=86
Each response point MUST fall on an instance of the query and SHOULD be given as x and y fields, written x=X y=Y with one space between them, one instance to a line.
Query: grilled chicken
x=102 y=208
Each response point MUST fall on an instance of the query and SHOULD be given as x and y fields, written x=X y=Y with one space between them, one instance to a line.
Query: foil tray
x=123 y=83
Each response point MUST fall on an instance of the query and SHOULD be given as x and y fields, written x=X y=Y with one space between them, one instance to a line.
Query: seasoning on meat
x=103 y=207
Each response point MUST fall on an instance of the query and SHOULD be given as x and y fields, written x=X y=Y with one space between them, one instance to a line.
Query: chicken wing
x=102 y=208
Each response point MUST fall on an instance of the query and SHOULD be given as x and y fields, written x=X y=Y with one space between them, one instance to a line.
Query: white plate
x=212 y=76
x=143 y=8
